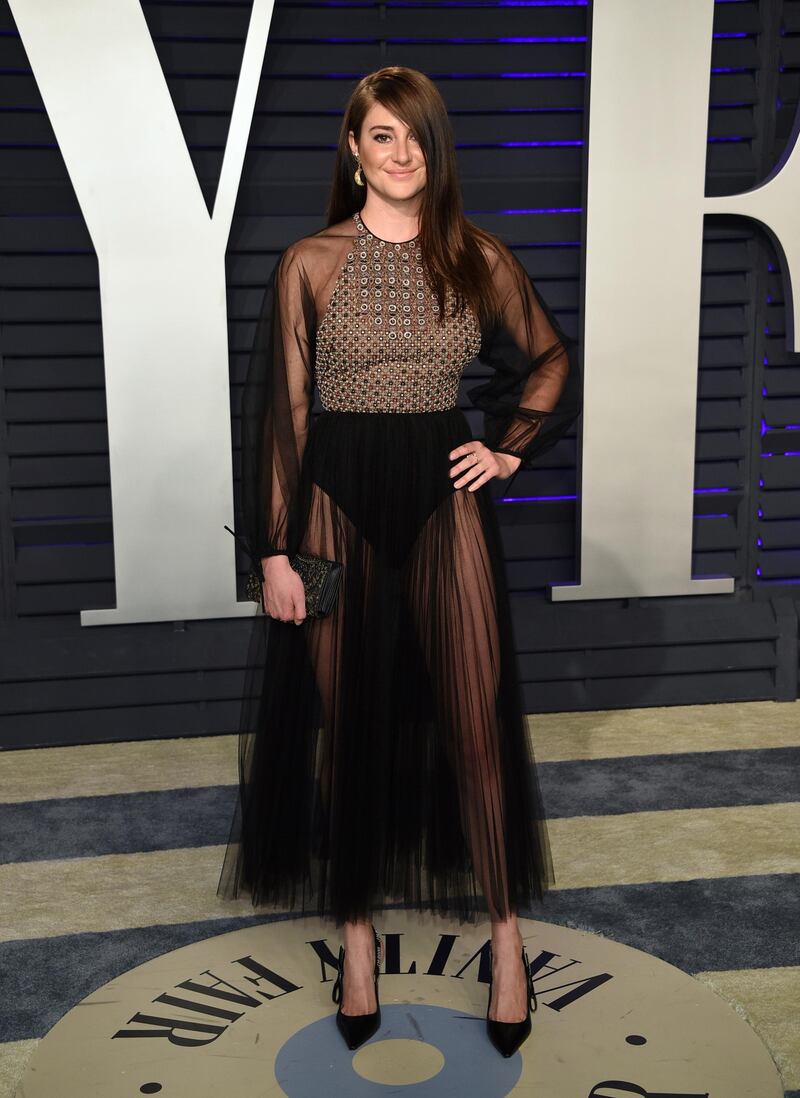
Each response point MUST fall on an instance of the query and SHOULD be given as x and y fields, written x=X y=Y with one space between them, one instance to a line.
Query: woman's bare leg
x=469 y=689
x=327 y=533
x=509 y=983
x=358 y=985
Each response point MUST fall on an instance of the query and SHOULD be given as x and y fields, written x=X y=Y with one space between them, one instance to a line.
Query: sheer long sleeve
x=276 y=408
x=533 y=393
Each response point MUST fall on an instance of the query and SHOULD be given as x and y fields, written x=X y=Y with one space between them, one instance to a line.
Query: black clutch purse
x=321 y=579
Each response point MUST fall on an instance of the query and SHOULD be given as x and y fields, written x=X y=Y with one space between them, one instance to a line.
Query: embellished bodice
x=380 y=346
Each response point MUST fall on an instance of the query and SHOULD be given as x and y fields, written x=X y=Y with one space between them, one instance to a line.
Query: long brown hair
x=449 y=242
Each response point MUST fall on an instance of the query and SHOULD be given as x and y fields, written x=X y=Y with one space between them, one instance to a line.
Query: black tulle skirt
x=383 y=751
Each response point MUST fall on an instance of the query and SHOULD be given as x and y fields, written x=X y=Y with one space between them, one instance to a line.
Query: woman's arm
x=533 y=393
x=276 y=408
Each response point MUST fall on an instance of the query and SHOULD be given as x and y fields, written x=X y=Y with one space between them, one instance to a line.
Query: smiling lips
x=410 y=170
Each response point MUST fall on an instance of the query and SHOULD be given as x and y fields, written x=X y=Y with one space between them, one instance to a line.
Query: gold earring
x=358 y=176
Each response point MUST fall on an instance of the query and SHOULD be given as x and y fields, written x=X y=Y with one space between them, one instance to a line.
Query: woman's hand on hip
x=479 y=464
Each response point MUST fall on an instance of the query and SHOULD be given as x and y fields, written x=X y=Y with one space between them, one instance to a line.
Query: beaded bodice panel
x=380 y=347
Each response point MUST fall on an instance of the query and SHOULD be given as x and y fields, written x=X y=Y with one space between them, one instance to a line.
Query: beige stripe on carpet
x=769 y=999
x=117 y=891
x=147 y=765
x=14 y=1057
x=603 y=734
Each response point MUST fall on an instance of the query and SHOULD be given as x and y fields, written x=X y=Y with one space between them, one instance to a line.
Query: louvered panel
x=626 y=693
x=781 y=381
x=656 y=659
x=630 y=623
x=719 y=476
x=49 y=728
x=777 y=473
x=781 y=535
x=780 y=505
x=780 y=471
x=717 y=445
x=151 y=688
x=779 y=564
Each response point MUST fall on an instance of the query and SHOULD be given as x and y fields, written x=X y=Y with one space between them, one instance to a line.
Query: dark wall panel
x=61 y=683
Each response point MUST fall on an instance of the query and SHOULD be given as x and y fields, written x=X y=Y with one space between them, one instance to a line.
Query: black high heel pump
x=508 y=1036
x=357 y=1028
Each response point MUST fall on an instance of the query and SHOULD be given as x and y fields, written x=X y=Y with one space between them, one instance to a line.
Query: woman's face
x=391 y=158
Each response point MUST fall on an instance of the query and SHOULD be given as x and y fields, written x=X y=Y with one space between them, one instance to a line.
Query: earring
x=357 y=174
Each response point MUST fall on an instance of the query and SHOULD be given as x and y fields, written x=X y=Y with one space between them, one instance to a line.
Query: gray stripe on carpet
x=121 y=823
x=188 y=817
x=726 y=923
x=651 y=783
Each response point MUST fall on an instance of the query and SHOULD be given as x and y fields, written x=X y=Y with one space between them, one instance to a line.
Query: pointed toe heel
x=508 y=1036
x=357 y=1028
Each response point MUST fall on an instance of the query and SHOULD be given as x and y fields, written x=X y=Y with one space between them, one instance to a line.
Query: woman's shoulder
x=327 y=241
x=496 y=251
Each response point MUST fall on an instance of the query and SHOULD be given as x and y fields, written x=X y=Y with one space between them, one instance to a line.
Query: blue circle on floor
x=316 y=1061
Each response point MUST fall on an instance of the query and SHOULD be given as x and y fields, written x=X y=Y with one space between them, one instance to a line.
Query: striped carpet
x=674 y=830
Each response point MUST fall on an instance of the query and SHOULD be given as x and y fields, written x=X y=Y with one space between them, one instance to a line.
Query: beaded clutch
x=321 y=580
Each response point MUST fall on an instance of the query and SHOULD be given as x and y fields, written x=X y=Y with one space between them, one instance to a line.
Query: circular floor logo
x=250 y=1013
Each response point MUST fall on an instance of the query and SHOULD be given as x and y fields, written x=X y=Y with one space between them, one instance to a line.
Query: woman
x=383 y=749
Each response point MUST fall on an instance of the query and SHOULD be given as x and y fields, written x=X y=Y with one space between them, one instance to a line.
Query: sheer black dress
x=383 y=751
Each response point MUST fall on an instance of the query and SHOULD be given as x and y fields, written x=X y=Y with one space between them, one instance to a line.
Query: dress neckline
x=365 y=228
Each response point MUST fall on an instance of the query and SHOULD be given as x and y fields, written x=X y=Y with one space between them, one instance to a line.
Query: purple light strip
x=481 y=3
x=535 y=110
x=525 y=145
x=506 y=39
x=493 y=4
x=777 y=427
x=479 y=40
x=533 y=499
x=521 y=75
x=437 y=75
x=510 y=38
x=567 y=75
x=547 y=499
